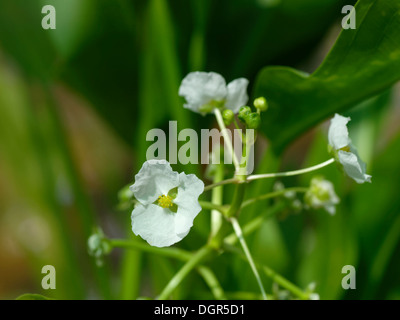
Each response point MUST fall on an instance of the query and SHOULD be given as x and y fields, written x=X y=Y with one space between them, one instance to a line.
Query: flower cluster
x=321 y=194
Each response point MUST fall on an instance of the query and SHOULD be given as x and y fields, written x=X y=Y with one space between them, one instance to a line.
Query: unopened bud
x=253 y=120
x=228 y=116
x=261 y=104
x=243 y=113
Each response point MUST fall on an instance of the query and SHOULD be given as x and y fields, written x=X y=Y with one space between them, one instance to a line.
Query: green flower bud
x=253 y=120
x=228 y=116
x=243 y=113
x=261 y=104
x=321 y=195
x=98 y=246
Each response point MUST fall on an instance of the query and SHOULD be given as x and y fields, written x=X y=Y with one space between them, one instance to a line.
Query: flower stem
x=136 y=245
x=196 y=259
x=290 y=173
x=217 y=199
x=212 y=206
x=254 y=224
x=238 y=231
x=237 y=200
x=283 y=282
x=227 y=138
x=212 y=282
x=270 y=175
x=272 y=195
x=221 y=183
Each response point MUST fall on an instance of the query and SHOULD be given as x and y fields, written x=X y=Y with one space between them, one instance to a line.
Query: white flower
x=205 y=91
x=168 y=203
x=344 y=151
x=322 y=195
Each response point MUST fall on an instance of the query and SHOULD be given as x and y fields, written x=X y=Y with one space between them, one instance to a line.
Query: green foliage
x=362 y=63
x=125 y=60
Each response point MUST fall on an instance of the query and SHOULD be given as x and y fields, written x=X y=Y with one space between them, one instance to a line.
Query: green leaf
x=363 y=62
x=32 y=296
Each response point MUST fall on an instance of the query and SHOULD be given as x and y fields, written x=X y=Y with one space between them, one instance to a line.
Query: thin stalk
x=227 y=138
x=282 y=281
x=221 y=183
x=196 y=259
x=254 y=224
x=270 y=175
x=212 y=282
x=211 y=206
x=238 y=231
x=290 y=173
x=272 y=195
x=136 y=245
x=237 y=200
x=217 y=199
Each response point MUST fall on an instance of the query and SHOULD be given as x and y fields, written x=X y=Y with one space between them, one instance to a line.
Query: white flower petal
x=354 y=167
x=200 y=88
x=237 y=94
x=189 y=190
x=156 y=225
x=338 y=134
x=330 y=208
x=154 y=179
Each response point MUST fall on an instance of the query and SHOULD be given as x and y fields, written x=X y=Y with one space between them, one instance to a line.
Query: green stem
x=270 y=175
x=212 y=282
x=254 y=224
x=221 y=183
x=211 y=206
x=290 y=173
x=227 y=138
x=272 y=195
x=238 y=231
x=283 y=282
x=136 y=245
x=237 y=200
x=216 y=199
x=196 y=259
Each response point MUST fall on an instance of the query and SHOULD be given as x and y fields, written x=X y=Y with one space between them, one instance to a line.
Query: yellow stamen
x=165 y=201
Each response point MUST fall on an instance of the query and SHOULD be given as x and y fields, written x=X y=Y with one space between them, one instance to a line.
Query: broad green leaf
x=32 y=296
x=362 y=63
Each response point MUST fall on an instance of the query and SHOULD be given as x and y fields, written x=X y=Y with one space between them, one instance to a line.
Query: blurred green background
x=76 y=104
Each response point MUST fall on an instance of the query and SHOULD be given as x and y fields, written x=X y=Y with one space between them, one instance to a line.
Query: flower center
x=165 y=201
x=346 y=148
x=209 y=107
